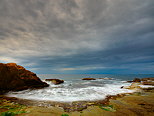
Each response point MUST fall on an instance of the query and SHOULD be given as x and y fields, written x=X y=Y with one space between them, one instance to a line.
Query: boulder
x=137 y=80
x=88 y=79
x=55 y=81
x=14 y=77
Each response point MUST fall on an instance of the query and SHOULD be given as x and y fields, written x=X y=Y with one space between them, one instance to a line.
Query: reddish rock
x=55 y=81
x=88 y=79
x=14 y=77
x=137 y=80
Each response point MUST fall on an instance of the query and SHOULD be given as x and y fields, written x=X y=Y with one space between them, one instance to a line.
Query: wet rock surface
x=88 y=79
x=135 y=80
x=134 y=85
x=148 y=81
x=130 y=104
x=134 y=104
x=55 y=81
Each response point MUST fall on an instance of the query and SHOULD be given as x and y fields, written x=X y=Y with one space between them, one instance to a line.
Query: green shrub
x=7 y=114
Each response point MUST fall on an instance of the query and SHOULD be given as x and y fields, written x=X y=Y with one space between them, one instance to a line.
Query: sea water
x=76 y=89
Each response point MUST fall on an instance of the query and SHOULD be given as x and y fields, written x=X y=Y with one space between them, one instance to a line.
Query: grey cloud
x=76 y=34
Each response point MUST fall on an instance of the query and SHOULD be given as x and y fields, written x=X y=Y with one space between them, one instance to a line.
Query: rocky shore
x=14 y=78
x=130 y=104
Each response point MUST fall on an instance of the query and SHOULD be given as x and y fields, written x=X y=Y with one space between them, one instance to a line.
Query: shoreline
x=135 y=104
x=121 y=105
x=69 y=106
x=139 y=102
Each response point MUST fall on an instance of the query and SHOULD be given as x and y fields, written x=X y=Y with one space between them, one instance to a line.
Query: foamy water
x=75 y=90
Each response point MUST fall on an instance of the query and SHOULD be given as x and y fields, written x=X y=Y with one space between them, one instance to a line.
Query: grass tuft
x=108 y=108
x=64 y=115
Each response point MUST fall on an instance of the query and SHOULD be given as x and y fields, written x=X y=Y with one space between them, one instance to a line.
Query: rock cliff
x=14 y=77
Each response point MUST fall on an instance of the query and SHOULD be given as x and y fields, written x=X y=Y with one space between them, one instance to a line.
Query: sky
x=78 y=36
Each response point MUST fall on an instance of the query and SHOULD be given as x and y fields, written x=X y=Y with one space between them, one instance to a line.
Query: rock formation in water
x=55 y=81
x=88 y=79
x=14 y=78
x=137 y=82
x=148 y=81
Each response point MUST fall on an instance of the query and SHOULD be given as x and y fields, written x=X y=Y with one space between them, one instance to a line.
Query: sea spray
x=75 y=90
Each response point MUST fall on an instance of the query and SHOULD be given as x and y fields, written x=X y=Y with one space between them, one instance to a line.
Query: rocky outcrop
x=14 y=77
x=88 y=79
x=135 y=80
x=148 y=81
x=134 y=85
x=55 y=81
x=144 y=81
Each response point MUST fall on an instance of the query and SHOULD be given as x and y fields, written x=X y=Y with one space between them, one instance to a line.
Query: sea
x=76 y=89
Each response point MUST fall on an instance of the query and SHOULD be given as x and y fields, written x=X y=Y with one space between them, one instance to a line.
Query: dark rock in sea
x=14 y=78
x=129 y=81
x=88 y=79
x=55 y=81
x=135 y=80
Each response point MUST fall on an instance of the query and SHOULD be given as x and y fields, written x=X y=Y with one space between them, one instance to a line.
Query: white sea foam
x=146 y=86
x=75 y=91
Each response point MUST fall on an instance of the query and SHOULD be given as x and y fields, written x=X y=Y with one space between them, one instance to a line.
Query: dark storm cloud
x=76 y=36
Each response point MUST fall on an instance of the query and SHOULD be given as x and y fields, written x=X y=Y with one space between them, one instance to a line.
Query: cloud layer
x=78 y=36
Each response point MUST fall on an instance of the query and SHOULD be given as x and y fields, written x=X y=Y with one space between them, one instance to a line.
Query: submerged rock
x=55 y=81
x=88 y=79
x=14 y=77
